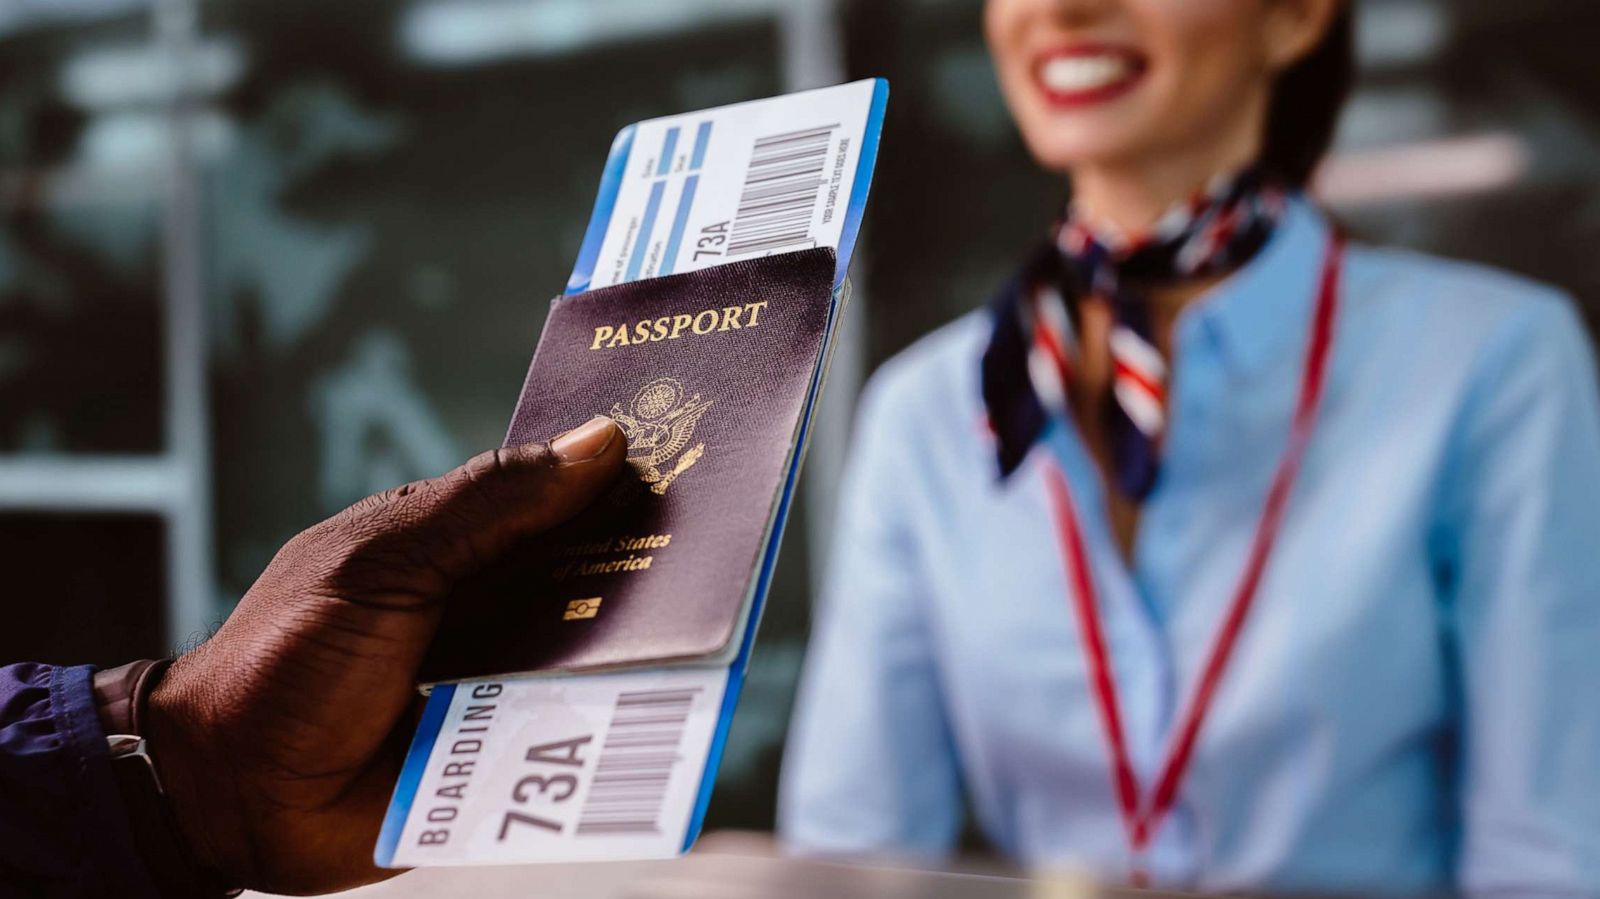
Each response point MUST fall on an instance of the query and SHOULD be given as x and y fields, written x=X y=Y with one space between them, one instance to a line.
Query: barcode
x=636 y=763
x=780 y=191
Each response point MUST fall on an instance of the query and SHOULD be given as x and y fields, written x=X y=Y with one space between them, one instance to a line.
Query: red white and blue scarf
x=1028 y=366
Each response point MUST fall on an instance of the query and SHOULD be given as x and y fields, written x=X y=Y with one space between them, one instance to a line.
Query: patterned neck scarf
x=1031 y=356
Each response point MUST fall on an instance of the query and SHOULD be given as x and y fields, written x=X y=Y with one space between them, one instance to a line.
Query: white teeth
x=1083 y=73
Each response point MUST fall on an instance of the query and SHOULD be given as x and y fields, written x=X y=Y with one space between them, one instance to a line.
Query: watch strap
x=120 y=696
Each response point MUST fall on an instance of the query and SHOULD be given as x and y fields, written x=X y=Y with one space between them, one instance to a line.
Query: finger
x=458 y=522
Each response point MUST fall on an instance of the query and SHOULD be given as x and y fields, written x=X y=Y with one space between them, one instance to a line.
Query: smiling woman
x=1216 y=553
x=1161 y=96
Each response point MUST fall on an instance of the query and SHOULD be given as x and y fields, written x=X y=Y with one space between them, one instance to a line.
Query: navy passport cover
x=708 y=372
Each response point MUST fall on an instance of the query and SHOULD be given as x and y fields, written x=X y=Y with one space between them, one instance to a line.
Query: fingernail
x=586 y=441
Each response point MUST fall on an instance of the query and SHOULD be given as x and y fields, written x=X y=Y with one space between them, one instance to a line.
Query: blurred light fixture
x=132 y=74
x=456 y=32
x=16 y=15
x=136 y=141
x=1391 y=115
x=1432 y=169
x=1399 y=33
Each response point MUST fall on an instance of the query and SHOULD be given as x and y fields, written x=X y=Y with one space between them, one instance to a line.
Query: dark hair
x=1306 y=100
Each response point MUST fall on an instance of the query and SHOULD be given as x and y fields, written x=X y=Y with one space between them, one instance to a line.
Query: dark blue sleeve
x=63 y=831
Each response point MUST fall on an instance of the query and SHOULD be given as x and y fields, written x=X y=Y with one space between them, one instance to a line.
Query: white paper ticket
x=595 y=767
x=690 y=191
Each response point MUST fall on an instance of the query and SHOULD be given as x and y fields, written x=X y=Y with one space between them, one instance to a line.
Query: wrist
x=161 y=784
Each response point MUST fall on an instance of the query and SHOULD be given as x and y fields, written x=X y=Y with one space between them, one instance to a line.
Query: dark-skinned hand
x=279 y=739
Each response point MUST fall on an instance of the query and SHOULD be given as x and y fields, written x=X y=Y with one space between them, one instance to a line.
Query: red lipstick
x=1084 y=74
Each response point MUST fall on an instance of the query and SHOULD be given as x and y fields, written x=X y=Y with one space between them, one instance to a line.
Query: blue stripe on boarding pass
x=405 y=789
x=679 y=223
x=670 y=146
x=646 y=227
x=702 y=139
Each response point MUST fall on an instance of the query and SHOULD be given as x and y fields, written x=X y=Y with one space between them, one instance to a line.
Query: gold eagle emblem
x=659 y=424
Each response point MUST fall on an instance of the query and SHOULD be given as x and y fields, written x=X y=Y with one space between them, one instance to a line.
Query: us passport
x=709 y=374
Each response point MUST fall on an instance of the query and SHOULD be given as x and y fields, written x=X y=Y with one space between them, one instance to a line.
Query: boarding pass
x=691 y=191
x=556 y=769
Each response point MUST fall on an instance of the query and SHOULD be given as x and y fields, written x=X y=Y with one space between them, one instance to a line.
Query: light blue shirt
x=1414 y=702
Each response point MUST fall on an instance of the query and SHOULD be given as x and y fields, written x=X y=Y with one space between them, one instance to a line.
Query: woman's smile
x=1083 y=74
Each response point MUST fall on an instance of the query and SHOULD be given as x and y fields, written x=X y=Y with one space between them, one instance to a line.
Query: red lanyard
x=1142 y=819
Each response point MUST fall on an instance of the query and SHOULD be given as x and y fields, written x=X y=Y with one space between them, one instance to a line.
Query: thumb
x=460 y=521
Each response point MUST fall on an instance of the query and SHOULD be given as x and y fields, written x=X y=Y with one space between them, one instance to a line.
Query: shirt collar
x=1259 y=314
